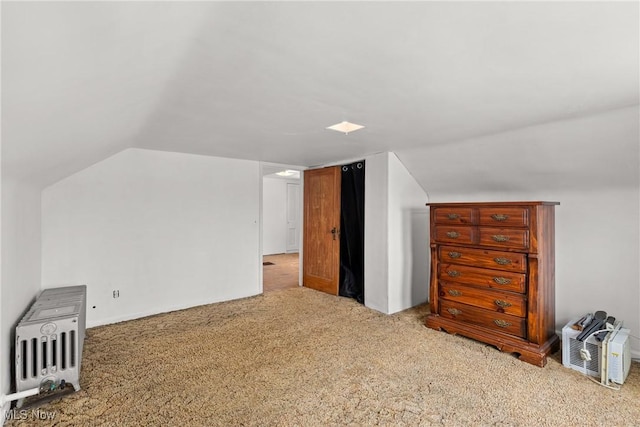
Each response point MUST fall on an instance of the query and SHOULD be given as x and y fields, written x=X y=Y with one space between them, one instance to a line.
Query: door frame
x=267 y=168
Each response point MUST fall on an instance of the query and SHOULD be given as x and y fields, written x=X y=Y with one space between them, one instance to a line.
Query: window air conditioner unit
x=610 y=359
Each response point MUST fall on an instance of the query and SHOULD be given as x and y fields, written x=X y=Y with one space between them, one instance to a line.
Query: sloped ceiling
x=262 y=81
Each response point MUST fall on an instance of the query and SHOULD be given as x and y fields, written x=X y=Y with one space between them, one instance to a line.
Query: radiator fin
x=63 y=348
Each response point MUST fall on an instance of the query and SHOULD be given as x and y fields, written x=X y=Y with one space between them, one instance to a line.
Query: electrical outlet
x=116 y=293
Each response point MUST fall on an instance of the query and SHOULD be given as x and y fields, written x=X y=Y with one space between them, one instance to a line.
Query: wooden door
x=321 y=259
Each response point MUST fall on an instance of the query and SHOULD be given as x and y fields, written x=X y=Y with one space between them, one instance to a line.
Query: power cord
x=586 y=356
x=605 y=385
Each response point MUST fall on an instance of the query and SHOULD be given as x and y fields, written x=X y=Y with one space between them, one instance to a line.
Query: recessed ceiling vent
x=345 y=127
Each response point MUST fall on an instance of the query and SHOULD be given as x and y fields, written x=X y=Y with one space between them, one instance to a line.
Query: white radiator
x=49 y=340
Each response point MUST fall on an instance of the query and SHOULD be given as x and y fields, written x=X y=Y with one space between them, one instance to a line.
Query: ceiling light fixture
x=345 y=127
x=289 y=173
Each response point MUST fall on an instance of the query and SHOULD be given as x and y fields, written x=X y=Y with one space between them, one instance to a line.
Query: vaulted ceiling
x=262 y=80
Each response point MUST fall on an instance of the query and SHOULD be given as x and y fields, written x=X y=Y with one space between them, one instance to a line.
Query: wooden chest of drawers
x=492 y=275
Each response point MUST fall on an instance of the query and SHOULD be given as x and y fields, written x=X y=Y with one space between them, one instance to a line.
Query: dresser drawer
x=455 y=234
x=501 y=302
x=504 y=237
x=505 y=323
x=504 y=216
x=494 y=279
x=508 y=261
x=454 y=216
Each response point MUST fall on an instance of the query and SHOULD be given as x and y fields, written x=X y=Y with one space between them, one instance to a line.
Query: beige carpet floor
x=298 y=357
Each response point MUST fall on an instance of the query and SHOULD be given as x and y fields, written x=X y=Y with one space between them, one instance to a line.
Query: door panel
x=293 y=200
x=321 y=270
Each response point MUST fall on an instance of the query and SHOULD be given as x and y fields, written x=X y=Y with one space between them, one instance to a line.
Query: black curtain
x=352 y=232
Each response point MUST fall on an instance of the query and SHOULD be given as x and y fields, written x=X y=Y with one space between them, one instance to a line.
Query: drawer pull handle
x=500 y=238
x=502 y=303
x=453 y=273
x=454 y=311
x=502 y=261
x=454 y=293
x=455 y=254
x=453 y=234
x=500 y=217
x=502 y=323
x=453 y=216
x=502 y=280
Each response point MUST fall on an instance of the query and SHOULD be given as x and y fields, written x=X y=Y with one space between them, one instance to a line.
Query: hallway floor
x=283 y=274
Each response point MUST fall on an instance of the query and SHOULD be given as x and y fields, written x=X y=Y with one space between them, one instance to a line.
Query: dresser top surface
x=521 y=203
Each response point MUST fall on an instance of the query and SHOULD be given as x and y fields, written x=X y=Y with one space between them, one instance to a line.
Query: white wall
x=20 y=264
x=274 y=216
x=396 y=236
x=275 y=204
x=4 y=360
x=376 y=238
x=167 y=230
x=409 y=257
x=597 y=255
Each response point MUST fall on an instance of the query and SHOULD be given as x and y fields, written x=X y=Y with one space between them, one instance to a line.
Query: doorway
x=281 y=227
x=334 y=230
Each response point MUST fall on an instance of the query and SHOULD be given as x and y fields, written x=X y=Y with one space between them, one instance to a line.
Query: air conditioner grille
x=575 y=347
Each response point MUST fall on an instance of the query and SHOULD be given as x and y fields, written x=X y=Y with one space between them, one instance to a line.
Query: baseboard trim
x=139 y=315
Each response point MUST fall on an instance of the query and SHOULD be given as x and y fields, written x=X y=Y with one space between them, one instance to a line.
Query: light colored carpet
x=300 y=357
